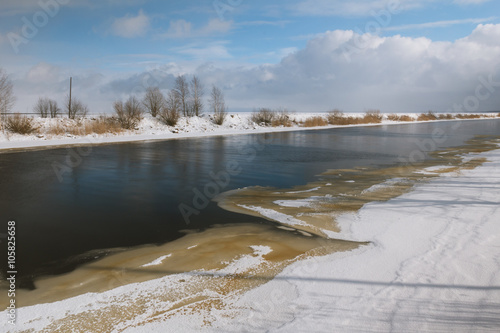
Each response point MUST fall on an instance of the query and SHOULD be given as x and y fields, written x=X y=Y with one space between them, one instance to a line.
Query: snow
x=275 y=216
x=305 y=191
x=386 y=184
x=295 y=203
x=307 y=202
x=157 y=261
x=152 y=129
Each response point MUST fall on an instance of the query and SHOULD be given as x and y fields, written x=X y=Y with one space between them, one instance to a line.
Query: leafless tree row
x=185 y=99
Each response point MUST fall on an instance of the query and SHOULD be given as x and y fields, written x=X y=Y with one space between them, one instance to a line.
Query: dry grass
x=468 y=116
x=395 y=117
x=20 y=124
x=281 y=118
x=372 y=117
x=337 y=117
x=447 y=116
x=315 y=121
x=427 y=116
x=101 y=125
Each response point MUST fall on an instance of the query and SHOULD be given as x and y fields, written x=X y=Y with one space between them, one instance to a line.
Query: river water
x=75 y=205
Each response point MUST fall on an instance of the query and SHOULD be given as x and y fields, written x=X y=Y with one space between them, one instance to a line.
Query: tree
x=129 y=113
x=53 y=108
x=182 y=90
x=170 y=113
x=196 y=96
x=7 y=98
x=42 y=107
x=75 y=108
x=218 y=105
x=153 y=101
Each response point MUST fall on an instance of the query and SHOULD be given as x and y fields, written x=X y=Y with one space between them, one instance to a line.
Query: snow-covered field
x=433 y=266
x=152 y=129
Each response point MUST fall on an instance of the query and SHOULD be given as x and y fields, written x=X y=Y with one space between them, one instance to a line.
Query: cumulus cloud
x=336 y=69
x=131 y=26
x=391 y=73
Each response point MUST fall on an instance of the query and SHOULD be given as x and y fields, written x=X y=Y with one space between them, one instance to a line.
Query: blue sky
x=304 y=55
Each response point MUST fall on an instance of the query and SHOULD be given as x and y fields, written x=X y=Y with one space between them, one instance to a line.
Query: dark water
x=69 y=202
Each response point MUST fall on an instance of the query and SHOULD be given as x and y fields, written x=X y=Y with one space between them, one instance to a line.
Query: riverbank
x=55 y=133
x=422 y=246
x=434 y=265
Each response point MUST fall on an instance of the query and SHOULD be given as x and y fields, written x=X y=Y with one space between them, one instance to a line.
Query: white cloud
x=131 y=26
x=394 y=74
x=439 y=24
x=184 y=29
x=352 y=8
x=390 y=73
x=470 y=2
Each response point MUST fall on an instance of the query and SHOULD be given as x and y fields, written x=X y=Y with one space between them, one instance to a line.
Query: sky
x=302 y=55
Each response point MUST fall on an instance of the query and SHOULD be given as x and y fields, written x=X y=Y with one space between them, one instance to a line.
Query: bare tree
x=42 y=107
x=182 y=90
x=153 y=101
x=7 y=97
x=170 y=113
x=218 y=105
x=53 y=108
x=129 y=113
x=197 y=93
x=75 y=108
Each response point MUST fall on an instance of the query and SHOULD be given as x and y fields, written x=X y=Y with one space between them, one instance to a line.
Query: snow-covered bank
x=433 y=266
x=152 y=129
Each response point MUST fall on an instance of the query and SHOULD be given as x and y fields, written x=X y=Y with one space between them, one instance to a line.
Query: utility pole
x=69 y=106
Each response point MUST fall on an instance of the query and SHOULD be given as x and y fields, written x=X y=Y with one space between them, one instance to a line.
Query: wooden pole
x=69 y=106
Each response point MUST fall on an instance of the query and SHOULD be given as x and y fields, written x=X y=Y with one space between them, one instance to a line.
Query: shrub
x=263 y=116
x=42 y=107
x=76 y=108
x=20 y=124
x=427 y=116
x=169 y=116
x=153 y=101
x=129 y=114
x=315 y=121
x=281 y=118
x=218 y=105
x=171 y=112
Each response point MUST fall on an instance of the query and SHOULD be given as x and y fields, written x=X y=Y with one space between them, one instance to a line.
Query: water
x=123 y=195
